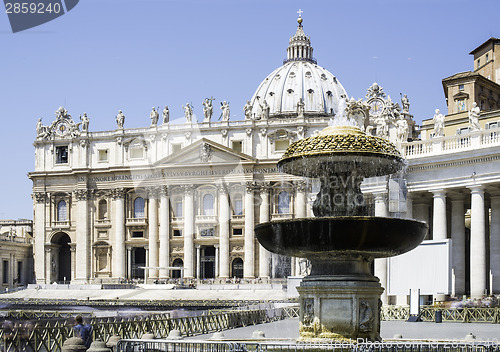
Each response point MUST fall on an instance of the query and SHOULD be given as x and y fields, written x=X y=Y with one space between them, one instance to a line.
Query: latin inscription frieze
x=180 y=173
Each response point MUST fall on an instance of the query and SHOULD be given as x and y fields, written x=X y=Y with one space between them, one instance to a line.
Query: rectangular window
x=178 y=209
x=176 y=148
x=487 y=58
x=136 y=153
x=478 y=63
x=103 y=155
x=461 y=87
x=62 y=154
x=237 y=232
x=137 y=234
x=237 y=146
x=177 y=233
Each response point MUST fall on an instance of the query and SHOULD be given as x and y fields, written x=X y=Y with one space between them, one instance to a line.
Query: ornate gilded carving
x=341 y=140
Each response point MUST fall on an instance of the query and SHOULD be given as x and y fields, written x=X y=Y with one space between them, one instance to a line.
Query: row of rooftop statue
x=474 y=125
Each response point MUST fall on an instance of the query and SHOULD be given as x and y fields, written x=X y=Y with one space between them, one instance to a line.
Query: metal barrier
x=345 y=346
x=49 y=335
x=428 y=313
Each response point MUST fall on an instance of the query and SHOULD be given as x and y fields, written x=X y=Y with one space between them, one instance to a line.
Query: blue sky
x=107 y=55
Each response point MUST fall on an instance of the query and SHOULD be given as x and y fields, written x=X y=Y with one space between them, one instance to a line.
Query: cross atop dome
x=299 y=48
x=300 y=17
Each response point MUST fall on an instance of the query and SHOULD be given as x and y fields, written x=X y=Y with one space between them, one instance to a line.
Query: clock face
x=61 y=128
x=376 y=107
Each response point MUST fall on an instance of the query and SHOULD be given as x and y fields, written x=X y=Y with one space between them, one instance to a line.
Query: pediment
x=205 y=151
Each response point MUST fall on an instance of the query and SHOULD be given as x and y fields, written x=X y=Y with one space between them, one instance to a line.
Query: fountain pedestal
x=341 y=305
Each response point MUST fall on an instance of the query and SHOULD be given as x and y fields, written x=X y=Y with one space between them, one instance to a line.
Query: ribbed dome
x=299 y=77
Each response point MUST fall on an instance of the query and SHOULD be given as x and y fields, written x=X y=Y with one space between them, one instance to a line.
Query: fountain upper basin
x=375 y=237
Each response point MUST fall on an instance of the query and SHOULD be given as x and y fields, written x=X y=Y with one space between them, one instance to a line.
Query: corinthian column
x=264 y=254
x=119 y=230
x=224 y=217
x=248 y=268
x=477 y=243
x=188 y=231
x=164 y=251
x=39 y=215
x=83 y=257
x=153 y=232
x=381 y=263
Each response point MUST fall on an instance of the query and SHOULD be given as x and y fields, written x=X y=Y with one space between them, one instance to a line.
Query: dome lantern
x=299 y=48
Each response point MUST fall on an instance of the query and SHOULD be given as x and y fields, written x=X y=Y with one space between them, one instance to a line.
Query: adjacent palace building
x=172 y=200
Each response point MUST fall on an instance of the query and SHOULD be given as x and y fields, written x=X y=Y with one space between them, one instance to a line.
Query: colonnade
x=470 y=217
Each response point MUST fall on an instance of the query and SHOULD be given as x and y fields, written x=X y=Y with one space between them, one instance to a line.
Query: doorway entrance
x=208 y=262
x=61 y=259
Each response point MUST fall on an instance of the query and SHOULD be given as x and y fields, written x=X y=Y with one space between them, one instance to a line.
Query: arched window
x=283 y=203
x=62 y=212
x=139 y=208
x=208 y=204
x=103 y=209
x=238 y=204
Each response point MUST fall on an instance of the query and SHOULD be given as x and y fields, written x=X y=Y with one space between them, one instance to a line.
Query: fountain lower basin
x=370 y=236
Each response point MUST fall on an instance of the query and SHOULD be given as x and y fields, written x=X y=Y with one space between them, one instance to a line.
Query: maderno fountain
x=340 y=299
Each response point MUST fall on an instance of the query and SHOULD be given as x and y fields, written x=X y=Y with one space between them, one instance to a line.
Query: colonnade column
x=129 y=262
x=458 y=244
x=153 y=233
x=495 y=243
x=264 y=255
x=439 y=230
x=40 y=199
x=222 y=260
x=421 y=211
x=164 y=251
x=216 y=246
x=119 y=229
x=477 y=243
x=381 y=263
x=188 y=231
x=198 y=261
x=83 y=258
x=248 y=267
x=48 y=267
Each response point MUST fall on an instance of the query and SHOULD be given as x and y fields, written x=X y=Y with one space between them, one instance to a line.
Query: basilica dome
x=299 y=78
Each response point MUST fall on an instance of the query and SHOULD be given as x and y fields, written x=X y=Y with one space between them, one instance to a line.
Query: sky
x=106 y=55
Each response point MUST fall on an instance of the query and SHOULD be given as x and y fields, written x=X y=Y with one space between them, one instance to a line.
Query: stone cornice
x=453 y=163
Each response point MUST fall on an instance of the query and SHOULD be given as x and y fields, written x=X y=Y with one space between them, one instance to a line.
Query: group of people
x=490 y=301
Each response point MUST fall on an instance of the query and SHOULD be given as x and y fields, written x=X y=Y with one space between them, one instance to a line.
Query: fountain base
x=340 y=308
